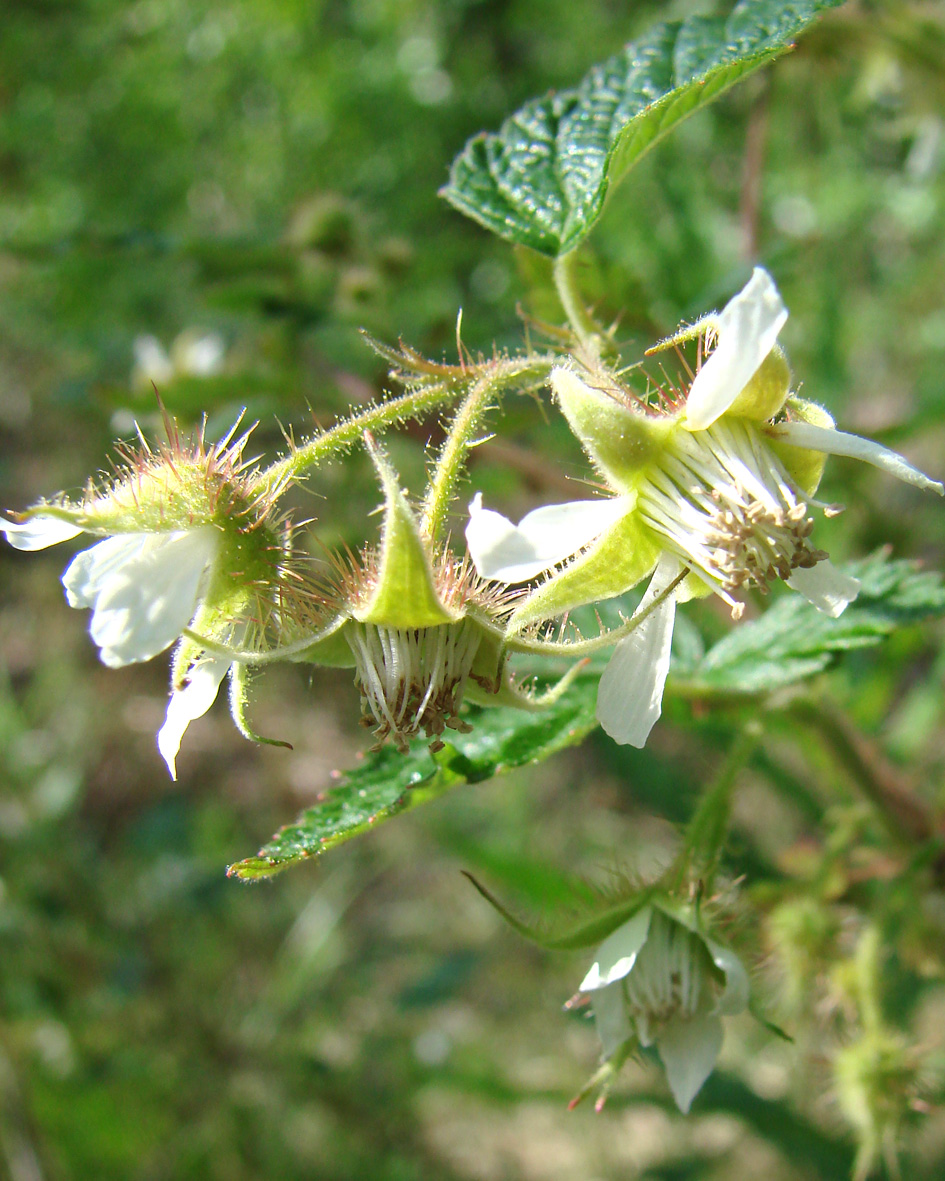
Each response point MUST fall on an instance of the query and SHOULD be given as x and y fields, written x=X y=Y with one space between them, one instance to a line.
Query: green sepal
x=765 y=394
x=489 y=662
x=806 y=468
x=405 y=595
x=767 y=391
x=239 y=701
x=588 y=932
x=620 y=441
x=622 y=556
x=333 y=651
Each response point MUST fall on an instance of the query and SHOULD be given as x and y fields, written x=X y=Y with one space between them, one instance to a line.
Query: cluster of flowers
x=708 y=486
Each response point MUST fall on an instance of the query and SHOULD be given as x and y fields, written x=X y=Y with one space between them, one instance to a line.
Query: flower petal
x=610 y=1018
x=832 y=442
x=617 y=954
x=542 y=539
x=630 y=695
x=188 y=704
x=38 y=532
x=737 y=991
x=142 y=588
x=748 y=327
x=689 y=1049
x=829 y=589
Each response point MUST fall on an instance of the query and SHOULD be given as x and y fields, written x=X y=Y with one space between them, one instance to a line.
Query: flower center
x=412 y=679
x=672 y=976
x=729 y=510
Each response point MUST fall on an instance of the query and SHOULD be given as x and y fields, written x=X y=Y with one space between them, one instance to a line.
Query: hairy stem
x=586 y=647
x=582 y=324
x=452 y=458
x=493 y=377
x=708 y=828
x=342 y=435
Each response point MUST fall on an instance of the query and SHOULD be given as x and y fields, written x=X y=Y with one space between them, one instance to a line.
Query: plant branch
x=581 y=322
x=906 y=816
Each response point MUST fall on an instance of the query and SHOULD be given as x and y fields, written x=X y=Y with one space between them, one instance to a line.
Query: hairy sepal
x=620 y=558
x=586 y=932
x=405 y=595
x=620 y=441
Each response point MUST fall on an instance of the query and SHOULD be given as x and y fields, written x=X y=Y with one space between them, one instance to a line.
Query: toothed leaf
x=542 y=179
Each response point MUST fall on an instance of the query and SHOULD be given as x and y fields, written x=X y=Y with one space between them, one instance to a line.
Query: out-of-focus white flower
x=714 y=481
x=659 y=980
x=191 y=355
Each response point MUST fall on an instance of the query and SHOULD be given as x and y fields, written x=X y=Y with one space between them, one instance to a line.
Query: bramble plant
x=704 y=467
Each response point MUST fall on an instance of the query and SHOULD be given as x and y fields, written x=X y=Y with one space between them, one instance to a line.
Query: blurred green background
x=266 y=171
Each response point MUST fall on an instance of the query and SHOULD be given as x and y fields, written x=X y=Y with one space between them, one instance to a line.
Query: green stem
x=585 y=647
x=582 y=324
x=494 y=377
x=452 y=458
x=708 y=828
x=342 y=435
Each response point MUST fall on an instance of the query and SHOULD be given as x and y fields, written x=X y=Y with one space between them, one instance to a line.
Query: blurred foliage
x=267 y=170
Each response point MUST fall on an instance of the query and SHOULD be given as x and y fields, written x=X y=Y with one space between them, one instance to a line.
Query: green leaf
x=542 y=179
x=388 y=783
x=793 y=640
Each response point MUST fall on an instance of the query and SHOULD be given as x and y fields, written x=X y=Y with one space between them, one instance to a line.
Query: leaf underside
x=789 y=643
x=542 y=179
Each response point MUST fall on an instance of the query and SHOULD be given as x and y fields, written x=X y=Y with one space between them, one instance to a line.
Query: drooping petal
x=188 y=704
x=737 y=991
x=630 y=695
x=832 y=442
x=38 y=532
x=542 y=539
x=610 y=1018
x=748 y=327
x=829 y=589
x=689 y=1048
x=142 y=588
x=617 y=954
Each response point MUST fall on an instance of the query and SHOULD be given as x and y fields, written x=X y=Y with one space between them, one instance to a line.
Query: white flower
x=143 y=590
x=191 y=355
x=716 y=484
x=658 y=979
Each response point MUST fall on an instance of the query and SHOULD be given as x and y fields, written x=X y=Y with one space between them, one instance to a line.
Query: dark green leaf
x=542 y=179
x=388 y=783
x=793 y=640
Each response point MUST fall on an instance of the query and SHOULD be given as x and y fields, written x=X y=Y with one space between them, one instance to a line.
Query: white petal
x=829 y=589
x=618 y=953
x=748 y=327
x=689 y=1050
x=546 y=536
x=630 y=695
x=152 y=364
x=832 y=442
x=610 y=1018
x=38 y=532
x=737 y=991
x=142 y=588
x=199 y=356
x=188 y=704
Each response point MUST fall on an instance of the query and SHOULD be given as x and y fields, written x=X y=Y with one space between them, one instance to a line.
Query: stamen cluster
x=672 y=976
x=726 y=506
x=413 y=679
